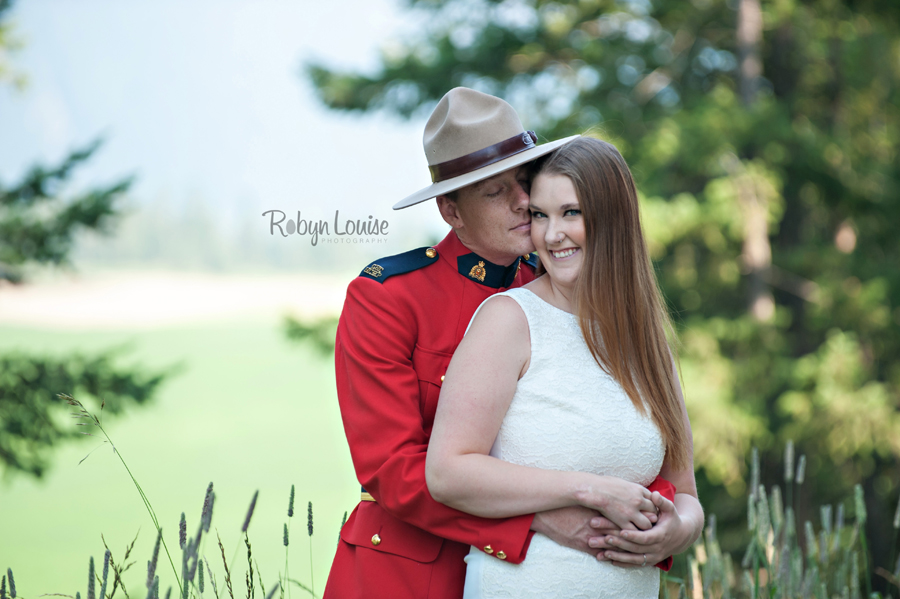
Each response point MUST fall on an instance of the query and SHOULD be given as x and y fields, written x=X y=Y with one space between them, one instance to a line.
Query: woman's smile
x=561 y=254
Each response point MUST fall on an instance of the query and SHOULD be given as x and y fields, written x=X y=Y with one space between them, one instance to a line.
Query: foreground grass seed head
x=861 y=515
x=182 y=531
x=772 y=565
x=801 y=469
x=206 y=515
x=90 y=590
x=789 y=462
x=200 y=577
x=250 y=512
x=151 y=565
x=106 y=557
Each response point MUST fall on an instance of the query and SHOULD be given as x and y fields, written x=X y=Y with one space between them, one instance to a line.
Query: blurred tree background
x=763 y=135
x=38 y=221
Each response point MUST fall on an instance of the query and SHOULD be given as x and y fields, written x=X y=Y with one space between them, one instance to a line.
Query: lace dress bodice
x=568 y=414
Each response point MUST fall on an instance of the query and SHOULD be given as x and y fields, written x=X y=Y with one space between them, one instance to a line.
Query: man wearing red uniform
x=402 y=320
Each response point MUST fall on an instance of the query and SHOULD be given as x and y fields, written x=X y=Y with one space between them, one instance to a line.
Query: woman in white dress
x=564 y=392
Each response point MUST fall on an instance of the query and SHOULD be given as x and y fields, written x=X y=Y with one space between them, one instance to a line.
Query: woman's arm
x=679 y=525
x=479 y=386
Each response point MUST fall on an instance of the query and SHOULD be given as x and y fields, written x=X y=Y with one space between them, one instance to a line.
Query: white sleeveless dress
x=567 y=414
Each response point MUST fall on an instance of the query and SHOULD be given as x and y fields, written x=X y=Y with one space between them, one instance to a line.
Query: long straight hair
x=620 y=309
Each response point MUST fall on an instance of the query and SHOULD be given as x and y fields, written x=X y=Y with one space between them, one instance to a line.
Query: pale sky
x=206 y=98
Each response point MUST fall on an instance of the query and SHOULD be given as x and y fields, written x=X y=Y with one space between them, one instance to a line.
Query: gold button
x=488 y=549
x=526 y=257
x=376 y=540
x=501 y=555
x=430 y=252
x=442 y=378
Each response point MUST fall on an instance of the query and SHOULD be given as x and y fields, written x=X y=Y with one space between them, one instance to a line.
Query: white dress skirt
x=567 y=414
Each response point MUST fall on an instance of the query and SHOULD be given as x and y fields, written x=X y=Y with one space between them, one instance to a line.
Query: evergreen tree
x=764 y=139
x=37 y=226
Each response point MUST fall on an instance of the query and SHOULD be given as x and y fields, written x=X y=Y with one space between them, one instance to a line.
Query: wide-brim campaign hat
x=471 y=136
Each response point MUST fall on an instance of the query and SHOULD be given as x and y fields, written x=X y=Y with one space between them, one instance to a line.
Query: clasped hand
x=635 y=548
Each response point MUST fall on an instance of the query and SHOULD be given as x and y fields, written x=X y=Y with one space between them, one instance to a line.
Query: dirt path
x=151 y=299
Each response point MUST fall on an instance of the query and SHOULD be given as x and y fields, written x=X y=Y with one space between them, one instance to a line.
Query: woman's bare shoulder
x=499 y=336
x=500 y=314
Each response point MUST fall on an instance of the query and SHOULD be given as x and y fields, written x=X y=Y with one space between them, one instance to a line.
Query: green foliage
x=37 y=226
x=318 y=333
x=815 y=149
x=780 y=561
x=32 y=417
x=8 y=45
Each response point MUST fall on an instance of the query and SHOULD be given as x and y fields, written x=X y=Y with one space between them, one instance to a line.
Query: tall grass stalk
x=246 y=525
x=106 y=558
x=83 y=413
x=894 y=559
x=251 y=590
x=287 y=539
x=343 y=521
x=227 y=571
x=304 y=587
x=789 y=471
x=861 y=517
x=775 y=565
x=212 y=578
x=309 y=527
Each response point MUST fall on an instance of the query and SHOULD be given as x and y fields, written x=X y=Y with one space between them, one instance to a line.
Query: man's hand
x=636 y=548
x=574 y=526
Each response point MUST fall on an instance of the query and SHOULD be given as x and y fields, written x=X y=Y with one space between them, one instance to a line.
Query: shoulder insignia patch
x=399 y=264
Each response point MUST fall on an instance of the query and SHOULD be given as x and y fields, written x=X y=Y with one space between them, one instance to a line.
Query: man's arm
x=378 y=391
x=572 y=526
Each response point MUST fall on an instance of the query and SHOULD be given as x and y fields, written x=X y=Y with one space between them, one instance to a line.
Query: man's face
x=491 y=217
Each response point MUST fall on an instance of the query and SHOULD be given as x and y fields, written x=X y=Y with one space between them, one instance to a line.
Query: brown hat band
x=476 y=160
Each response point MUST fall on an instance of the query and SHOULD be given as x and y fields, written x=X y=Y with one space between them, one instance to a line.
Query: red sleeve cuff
x=667 y=490
x=511 y=555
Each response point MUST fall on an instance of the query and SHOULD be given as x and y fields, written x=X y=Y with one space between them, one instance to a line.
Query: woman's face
x=557 y=227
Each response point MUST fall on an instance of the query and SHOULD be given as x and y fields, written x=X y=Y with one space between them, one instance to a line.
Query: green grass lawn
x=249 y=410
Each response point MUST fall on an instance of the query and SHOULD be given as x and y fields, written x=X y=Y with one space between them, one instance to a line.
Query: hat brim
x=436 y=189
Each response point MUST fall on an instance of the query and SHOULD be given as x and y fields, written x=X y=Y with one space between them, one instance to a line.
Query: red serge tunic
x=402 y=320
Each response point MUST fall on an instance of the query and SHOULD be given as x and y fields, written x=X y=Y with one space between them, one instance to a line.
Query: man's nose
x=521 y=198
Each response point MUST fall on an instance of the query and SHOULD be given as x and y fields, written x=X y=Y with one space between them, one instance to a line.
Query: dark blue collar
x=474 y=267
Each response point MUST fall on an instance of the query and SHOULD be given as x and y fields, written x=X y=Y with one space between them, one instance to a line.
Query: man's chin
x=524 y=242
